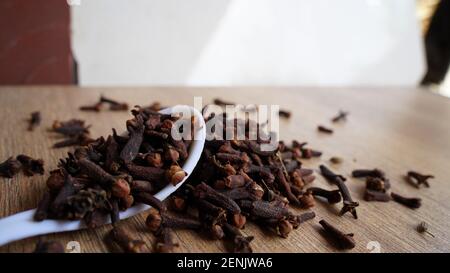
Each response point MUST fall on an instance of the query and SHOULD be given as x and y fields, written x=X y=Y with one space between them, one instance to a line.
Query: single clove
x=34 y=121
x=336 y=160
x=31 y=166
x=10 y=167
x=413 y=203
x=49 y=247
x=349 y=204
x=157 y=220
x=342 y=115
x=324 y=129
x=126 y=241
x=366 y=172
x=166 y=242
x=418 y=179
x=241 y=243
x=332 y=197
x=371 y=195
x=422 y=227
x=284 y=113
x=343 y=241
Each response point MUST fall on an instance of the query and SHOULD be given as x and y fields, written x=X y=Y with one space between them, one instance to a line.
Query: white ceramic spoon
x=22 y=225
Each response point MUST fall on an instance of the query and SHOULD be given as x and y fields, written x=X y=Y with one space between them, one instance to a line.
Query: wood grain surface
x=393 y=129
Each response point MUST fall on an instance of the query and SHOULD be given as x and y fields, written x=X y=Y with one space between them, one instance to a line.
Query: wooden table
x=393 y=129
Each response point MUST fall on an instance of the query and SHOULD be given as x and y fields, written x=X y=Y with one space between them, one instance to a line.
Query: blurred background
x=226 y=43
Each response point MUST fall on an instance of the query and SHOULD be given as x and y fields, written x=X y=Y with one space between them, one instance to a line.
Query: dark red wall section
x=35 y=42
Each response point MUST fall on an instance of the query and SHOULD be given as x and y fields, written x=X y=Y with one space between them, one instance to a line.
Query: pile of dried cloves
x=234 y=182
x=109 y=175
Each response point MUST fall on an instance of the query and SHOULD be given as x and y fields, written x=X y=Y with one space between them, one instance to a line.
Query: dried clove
x=241 y=243
x=264 y=209
x=377 y=184
x=418 y=179
x=166 y=242
x=71 y=127
x=75 y=132
x=422 y=227
x=96 y=107
x=77 y=140
x=49 y=247
x=113 y=105
x=377 y=173
x=336 y=160
x=342 y=115
x=343 y=241
x=157 y=220
x=131 y=149
x=95 y=172
x=349 y=204
x=307 y=200
x=125 y=240
x=149 y=199
x=372 y=195
x=175 y=174
x=221 y=102
x=31 y=166
x=413 y=203
x=178 y=204
x=203 y=191
x=151 y=174
x=324 y=129
x=43 y=207
x=305 y=217
x=141 y=186
x=332 y=197
x=10 y=167
x=34 y=121
x=284 y=113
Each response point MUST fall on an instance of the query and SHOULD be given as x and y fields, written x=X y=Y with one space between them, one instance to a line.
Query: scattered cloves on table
x=34 y=121
x=418 y=179
x=113 y=105
x=343 y=241
x=413 y=203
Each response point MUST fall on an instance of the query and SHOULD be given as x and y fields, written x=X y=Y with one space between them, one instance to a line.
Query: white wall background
x=247 y=42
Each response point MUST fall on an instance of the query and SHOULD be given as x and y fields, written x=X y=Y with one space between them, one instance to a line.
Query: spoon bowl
x=22 y=225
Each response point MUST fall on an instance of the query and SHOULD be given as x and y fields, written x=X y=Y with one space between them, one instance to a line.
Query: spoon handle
x=22 y=225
